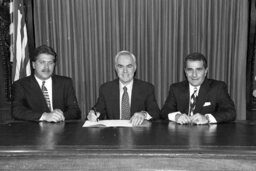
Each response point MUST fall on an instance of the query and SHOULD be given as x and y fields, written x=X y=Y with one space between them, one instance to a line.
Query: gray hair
x=124 y=52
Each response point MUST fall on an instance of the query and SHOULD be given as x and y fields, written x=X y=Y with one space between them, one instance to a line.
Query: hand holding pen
x=97 y=114
x=93 y=115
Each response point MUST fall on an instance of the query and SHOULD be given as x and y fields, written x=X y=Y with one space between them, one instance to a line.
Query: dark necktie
x=192 y=102
x=46 y=95
x=125 y=105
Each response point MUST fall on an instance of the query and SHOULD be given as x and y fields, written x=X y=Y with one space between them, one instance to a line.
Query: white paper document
x=108 y=123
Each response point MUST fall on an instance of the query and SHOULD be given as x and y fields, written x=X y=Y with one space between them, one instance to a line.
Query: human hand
x=92 y=116
x=199 y=119
x=59 y=113
x=182 y=119
x=138 y=118
x=55 y=116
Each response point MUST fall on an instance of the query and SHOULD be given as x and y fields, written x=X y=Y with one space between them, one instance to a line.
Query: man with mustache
x=44 y=96
x=198 y=100
x=126 y=97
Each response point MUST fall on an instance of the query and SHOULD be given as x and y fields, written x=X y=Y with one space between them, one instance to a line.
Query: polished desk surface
x=156 y=143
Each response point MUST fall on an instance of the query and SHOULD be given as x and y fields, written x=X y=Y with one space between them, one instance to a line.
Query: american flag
x=19 y=41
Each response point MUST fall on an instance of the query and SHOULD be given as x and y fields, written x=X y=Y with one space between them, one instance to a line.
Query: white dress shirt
x=48 y=85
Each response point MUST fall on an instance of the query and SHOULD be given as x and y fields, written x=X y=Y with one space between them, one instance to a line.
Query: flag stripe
x=11 y=32
x=19 y=41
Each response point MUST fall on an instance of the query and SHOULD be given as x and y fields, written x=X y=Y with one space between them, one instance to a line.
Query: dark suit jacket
x=29 y=103
x=143 y=99
x=211 y=92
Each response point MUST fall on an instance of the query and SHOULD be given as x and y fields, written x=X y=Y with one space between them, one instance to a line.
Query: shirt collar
x=192 y=88
x=40 y=82
x=129 y=85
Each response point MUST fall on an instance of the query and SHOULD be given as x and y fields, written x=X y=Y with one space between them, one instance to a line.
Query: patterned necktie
x=192 y=102
x=125 y=105
x=46 y=95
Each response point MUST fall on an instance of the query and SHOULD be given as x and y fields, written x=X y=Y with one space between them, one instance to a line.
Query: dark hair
x=44 y=49
x=195 y=57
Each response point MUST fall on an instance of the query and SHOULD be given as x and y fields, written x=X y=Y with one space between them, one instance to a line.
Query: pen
x=95 y=112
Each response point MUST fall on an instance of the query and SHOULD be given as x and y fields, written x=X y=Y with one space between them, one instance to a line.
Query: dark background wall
x=251 y=64
x=5 y=65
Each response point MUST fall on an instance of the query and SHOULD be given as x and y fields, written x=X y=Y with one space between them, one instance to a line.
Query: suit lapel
x=135 y=92
x=115 y=96
x=202 y=96
x=54 y=91
x=35 y=85
x=38 y=92
x=185 y=95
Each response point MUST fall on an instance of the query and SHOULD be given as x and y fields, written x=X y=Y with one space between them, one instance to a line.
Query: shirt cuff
x=42 y=118
x=148 y=117
x=171 y=116
x=211 y=118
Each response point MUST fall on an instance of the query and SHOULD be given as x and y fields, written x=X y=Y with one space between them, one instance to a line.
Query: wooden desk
x=161 y=146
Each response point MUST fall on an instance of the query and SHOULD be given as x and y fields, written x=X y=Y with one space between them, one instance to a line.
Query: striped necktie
x=192 y=104
x=46 y=95
x=125 y=105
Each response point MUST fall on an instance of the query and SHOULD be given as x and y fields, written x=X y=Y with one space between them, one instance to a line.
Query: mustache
x=45 y=70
